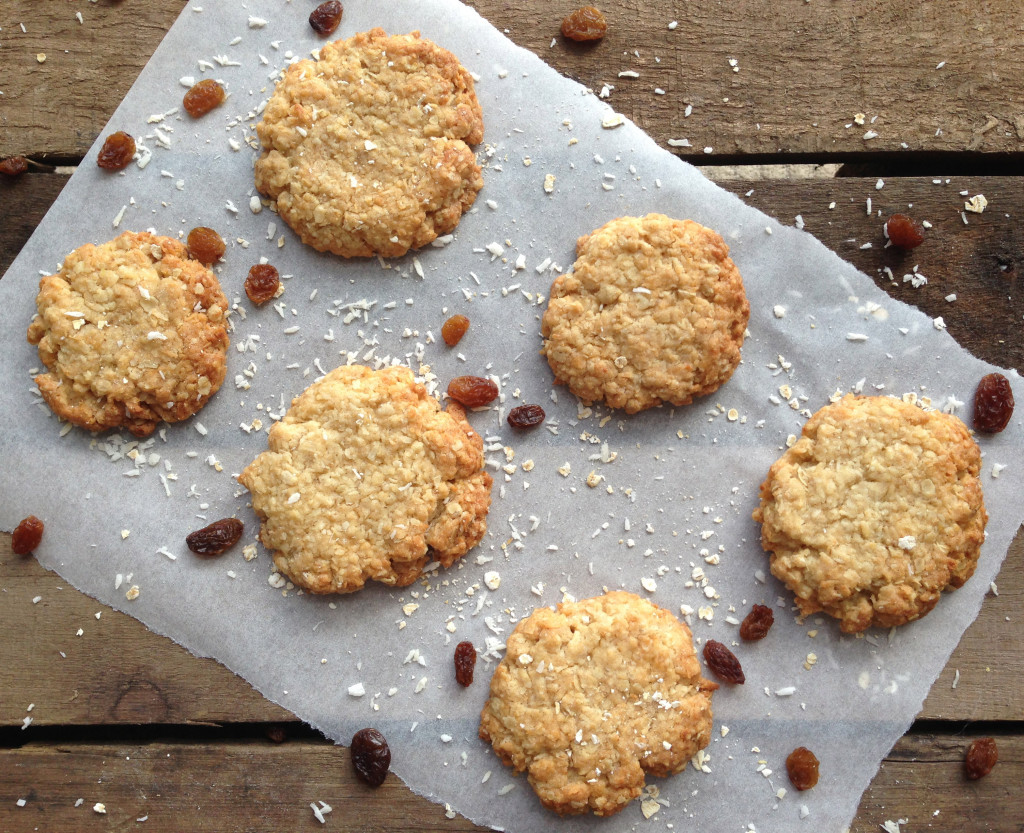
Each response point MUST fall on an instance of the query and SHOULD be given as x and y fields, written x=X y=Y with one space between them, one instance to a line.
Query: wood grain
x=922 y=781
x=56 y=109
x=119 y=672
x=804 y=69
x=258 y=785
x=982 y=262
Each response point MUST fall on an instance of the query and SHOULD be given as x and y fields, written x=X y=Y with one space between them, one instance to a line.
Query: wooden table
x=128 y=718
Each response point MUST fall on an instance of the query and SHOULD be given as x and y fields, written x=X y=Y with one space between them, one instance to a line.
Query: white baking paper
x=677 y=485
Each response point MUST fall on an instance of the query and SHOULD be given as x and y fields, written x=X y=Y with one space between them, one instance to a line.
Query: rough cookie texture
x=132 y=332
x=367 y=478
x=366 y=150
x=874 y=511
x=592 y=695
x=654 y=311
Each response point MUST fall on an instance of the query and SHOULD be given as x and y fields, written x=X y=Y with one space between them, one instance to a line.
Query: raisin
x=465 y=660
x=454 y=329
x=802 y=768
x=325 y=18
x=216 y=538
x=757 y=623
x=27 y=536
x=586 y=23
x=202 y=97
x=982 y=756
x=13 y=166
x=370 y=756
x=526 y=416
x=472 y=391
x=904 y=232
x=205 y=245
x=262 y=283
x=117 y=151
x=993 y=403
x=723 y=663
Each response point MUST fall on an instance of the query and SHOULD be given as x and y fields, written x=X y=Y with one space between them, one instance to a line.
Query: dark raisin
x=723 y=663
x=526 y=416
x=757 y=623
x=904 y=232
x=586 y=23
x=993 y=403
x=325 y=18
x=13 y=166
x=205 y=245
x=117 y=151
x=262 y=283
x=454 y=329
x=216 y=538
x=802 y=768
x=27 y=536
x=981 y=757
x=472 y=391
x=370 y=756
x=202 y=97
x=465 y=661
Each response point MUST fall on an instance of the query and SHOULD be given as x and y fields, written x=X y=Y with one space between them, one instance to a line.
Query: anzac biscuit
x=874 y=511
x=593 y=695
x=131 y=332
x=654 y=311
x=367 y=478
x=366 y=150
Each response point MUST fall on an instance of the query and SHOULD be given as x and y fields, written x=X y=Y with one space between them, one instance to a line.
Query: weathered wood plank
x=26 y=199
x=124 y=674
x=118 y=672
x=216 y=787
x=803 y=71
x=976 y=668
x=981 y=262
x=922 y=780
x=261 y=786
x=58 y=107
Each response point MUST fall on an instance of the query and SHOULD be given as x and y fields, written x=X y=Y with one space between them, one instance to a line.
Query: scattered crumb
x=976 y=204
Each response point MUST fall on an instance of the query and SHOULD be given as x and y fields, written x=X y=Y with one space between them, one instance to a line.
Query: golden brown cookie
x=131 y=332
x=366 y=150
x=654 y=311
x=593 y=695
x=874 y=511
x=367 y=478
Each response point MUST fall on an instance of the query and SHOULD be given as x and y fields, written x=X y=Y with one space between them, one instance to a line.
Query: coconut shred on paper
x=658 y=503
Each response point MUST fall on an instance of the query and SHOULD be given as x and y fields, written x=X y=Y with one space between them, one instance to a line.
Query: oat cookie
x=654 y=311
x=874 y=511
x=367 y=478
x=366 y=150
x=132 y=332
x=593 y=695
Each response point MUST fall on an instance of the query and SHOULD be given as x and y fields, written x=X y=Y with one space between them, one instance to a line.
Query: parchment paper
x=678 y=493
